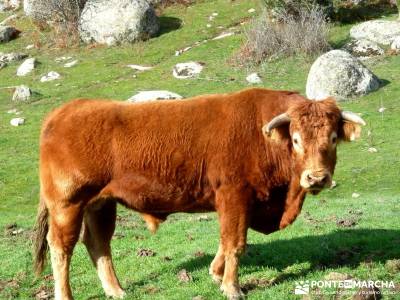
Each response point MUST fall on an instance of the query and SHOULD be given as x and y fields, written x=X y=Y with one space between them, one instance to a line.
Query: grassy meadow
x=336 y=232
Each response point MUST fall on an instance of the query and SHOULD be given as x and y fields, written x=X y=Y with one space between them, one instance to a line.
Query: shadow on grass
x=168 y=24
x=351 y=15
x=341 y=248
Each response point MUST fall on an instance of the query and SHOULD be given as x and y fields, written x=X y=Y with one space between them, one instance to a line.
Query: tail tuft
x=40 y=241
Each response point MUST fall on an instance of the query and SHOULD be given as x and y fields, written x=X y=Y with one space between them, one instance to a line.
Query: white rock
x=254 y=78
x=372 y=150
x=145 y=96
x=364 y=48
x=208 y=25
x=2 y=65
x=70 y=64
x=341 y=75
x=117 y=21
x=29 y=47
x=355 y=195
x=22 y=93
x=381 y=109
x=396 y=44
x=139 y=68
x=17 y=121
x=52 y=75
x=13 y=56
x=223 y=35
x=26 y=67
x=63 y=58
x=214 y=14
x=251 y=10
x=379 y=31
x=12 y=111
x=187 y=70
x=179 y=52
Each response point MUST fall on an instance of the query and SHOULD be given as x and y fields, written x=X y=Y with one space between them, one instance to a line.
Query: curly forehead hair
x=309 y=113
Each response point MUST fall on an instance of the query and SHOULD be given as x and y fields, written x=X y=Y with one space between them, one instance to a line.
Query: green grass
x=308 y=250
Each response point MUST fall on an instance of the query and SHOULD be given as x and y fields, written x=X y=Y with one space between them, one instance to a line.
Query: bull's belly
x=152 y=196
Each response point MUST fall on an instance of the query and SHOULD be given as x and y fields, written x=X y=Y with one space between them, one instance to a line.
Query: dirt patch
x=184 y=276
x=255 y=283
x=199 y=254
x=43 y=293
x=145 y=252
x=346 y=222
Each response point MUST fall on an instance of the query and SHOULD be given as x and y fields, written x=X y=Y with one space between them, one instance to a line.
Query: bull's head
x=313 y=130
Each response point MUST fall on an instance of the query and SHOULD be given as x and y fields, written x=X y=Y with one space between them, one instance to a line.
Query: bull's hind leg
x=99 y=222
x=64 y=227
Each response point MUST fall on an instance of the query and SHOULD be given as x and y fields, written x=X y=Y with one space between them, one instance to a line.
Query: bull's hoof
x=232 y=292
x=116 y=294
x=215 y=277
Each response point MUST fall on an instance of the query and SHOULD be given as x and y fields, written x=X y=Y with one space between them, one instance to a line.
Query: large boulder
x=47 y=10
x=364 y=49
x=339 y=74
x=379 y=31
x=117 y=21
x=9 y=5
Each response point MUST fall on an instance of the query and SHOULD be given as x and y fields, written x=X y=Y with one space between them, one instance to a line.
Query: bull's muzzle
x=315 y=181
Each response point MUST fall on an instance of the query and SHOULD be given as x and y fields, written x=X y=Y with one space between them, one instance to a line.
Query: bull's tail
x=40 y=241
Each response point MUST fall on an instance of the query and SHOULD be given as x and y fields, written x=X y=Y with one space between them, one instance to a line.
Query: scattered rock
x=356 y=212
x=368 y=293
x=251 y=10
x=333 y=184
x=337 y=73
x=22 y=93
x=139 y=68
x=379 y=31
x=372 y=150
x=184 y=276
x=254 y=78
x=26 y=67
x=117 y=21
x=187 y=70
x=223 y=35
x=346 y=222
x=381 y=109
x=145 y=252
x=13 y=56
x=179 y=52
x=52 y=75
x=336 y=276
x=208 y=25
x=145 y=96
x=203 y=218
x=6 y=5
x=2 y=65
x=63 y=58
x=70 y=64
x=17 y=121
x=7 y=33
x=12 y=111
x=355 y=195
x=364 y=48
x=395 y=44
x=43 y=293
x=29 y=47
x=393 y=265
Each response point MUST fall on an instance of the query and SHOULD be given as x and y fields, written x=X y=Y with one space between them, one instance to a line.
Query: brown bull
x=251 y=156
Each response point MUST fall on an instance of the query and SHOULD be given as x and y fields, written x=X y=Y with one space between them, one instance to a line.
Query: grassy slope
x=309 y=249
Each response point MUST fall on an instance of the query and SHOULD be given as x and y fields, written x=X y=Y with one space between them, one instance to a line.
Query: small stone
x=208 y=25
x=372 y=150
x=251 y=10
x=71 y=64
x=2 y=65
x=26 y=67
x=333 y=184
x=139 y=68
x=13 y=56
x=355 y=195
x=12 y=111
x=22 y=93
x=381 y=110
x=184 y=276
x=17 y=121
x=254 y=78
x=145 y=252
x=50 y=76
x=145 y=96
x=203 y=218
x=29 y=47
x=63 y=58
x=214 y=14
x=187 y=70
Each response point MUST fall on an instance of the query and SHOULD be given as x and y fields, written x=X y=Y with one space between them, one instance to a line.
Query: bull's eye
x=333 y=139
x=297 y=142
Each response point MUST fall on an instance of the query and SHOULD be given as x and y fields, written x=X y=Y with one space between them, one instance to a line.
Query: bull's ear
x=278 y=128
x=350 y=126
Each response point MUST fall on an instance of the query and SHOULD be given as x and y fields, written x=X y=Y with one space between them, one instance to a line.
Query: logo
x=302 y=288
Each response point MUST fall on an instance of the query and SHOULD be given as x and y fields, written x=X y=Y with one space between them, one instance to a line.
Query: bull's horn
x=352 y=117
x=276 y=122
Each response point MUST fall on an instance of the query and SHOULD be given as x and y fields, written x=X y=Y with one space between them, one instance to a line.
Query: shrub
x=302 y=34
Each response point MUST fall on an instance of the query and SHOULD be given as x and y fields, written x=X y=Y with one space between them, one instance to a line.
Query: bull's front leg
x=233 y=207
